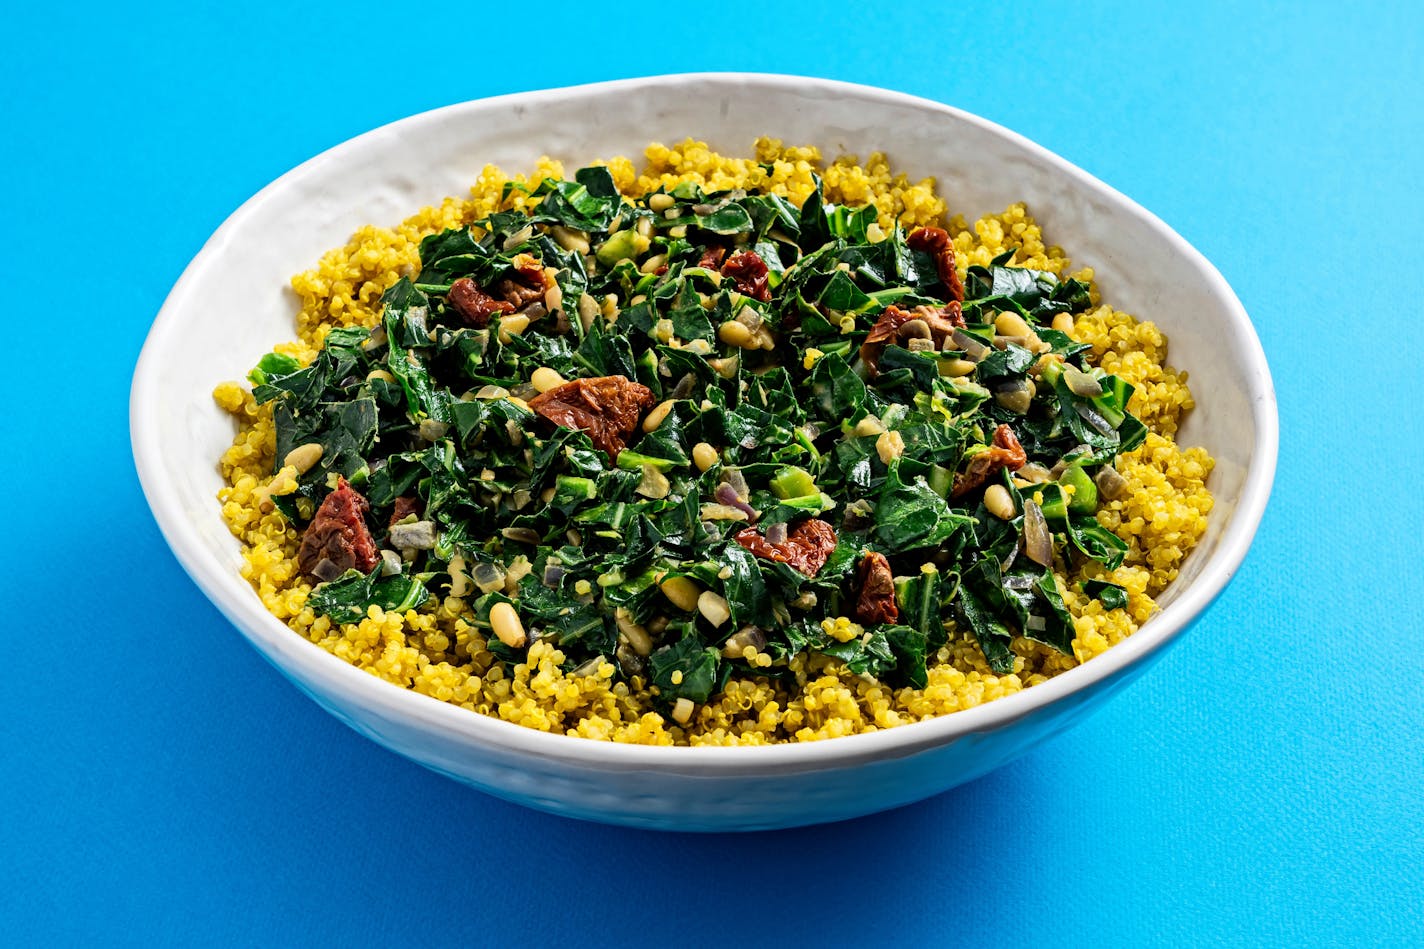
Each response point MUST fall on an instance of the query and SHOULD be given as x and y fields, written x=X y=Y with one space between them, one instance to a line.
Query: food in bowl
x=726 y=451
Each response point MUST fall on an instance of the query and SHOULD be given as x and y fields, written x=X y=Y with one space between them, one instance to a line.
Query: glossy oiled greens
x=767 y=380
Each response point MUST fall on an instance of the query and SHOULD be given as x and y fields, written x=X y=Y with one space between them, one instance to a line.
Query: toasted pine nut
x=507 y=626
x=999 y=502
x=511 y=326
x=554 y=296
x=660 y=202
x=1011 y=324
x=735 y=334
x=713 y=608
x=657 y=415
x=303 y=457
x=870 y=425
x=570 y=239
x=545 y=379
x=1063 y=323
x=704 y=456
x=681 y=592
x=889 y=446
x=587 y=309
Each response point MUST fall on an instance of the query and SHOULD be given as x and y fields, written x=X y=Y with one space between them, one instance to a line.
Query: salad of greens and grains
x=722 y=451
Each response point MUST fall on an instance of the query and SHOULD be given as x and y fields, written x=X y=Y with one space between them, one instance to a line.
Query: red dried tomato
x=712 y=258
x=528 y=284
x=936 y=242
x=405 y=507
x=338 y=533
x=942 y=322
x=748 y=273
x=807 y=546
x=607 y=407
x=473 y=304
x=876 y=603
x=1005 y=452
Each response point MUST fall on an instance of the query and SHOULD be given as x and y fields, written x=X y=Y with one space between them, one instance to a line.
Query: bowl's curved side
x=229 y=307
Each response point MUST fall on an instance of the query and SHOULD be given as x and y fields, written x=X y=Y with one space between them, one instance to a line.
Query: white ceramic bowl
x=233 y=303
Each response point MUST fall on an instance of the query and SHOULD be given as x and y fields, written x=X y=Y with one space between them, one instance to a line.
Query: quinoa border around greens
x=722 y=451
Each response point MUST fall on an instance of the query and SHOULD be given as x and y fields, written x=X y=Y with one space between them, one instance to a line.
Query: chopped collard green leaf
x=677 y=433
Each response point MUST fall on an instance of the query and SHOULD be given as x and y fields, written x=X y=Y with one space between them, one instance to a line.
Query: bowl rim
x=302 y=659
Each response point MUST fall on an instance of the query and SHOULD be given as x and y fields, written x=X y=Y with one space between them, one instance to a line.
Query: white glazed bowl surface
x=233 y=303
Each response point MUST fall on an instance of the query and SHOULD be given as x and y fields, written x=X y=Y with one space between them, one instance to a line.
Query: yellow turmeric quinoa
x=436 y=651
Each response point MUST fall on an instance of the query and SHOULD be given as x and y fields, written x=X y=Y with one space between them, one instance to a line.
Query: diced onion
x=1081 y=384
x=1037 y=541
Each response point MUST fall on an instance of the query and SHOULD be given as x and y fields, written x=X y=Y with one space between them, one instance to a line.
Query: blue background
x=160 y=784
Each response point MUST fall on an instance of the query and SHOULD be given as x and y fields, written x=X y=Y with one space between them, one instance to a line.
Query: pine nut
x=303 y=457
x=635 y=635
x=657 y=415
x=889 y=446
x=660 y=202
x=1063 y=323
x=381 y=374
x=999 y=502
x=870 y=425
x=915 y=329
x=545 y=379
x=704 y=456
x=587 y=309
x=569 y=239
x=507 y=626
x=713 y=608
x=735 y=334
x=511 y=326
x=653 y=263
x=1011 y=324
x=554 y=296
x=460 y=584
x=681 y=592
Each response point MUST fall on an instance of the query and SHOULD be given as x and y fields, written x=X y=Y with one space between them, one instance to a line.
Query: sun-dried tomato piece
x=607 y=407
x=891 y=328
x=936 y=242
x=338 y=533
x=807 y=546
x=528 y=284
x=405 y=506
x=473 y=304
x=1005 y=452
x=712 y=258
x=876 y=603
x=748 y=274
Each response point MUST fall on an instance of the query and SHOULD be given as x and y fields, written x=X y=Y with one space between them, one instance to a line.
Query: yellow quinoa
x=435 y=650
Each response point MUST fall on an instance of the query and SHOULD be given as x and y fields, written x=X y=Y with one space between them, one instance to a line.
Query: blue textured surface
x=160 y=784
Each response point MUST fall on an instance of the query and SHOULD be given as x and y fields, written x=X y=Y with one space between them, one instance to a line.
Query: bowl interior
x=233 y=303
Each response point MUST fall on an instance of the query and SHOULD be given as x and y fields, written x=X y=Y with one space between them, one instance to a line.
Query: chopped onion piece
x=1081 y=384
x=1037 y=541
x=1091 y=416
x=776 y=534
x=1111 y=484
x=722 y=512
x=974 y=349
x=728 y=496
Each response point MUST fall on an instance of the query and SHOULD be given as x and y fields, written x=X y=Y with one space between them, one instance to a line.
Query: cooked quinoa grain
x=441 y=649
